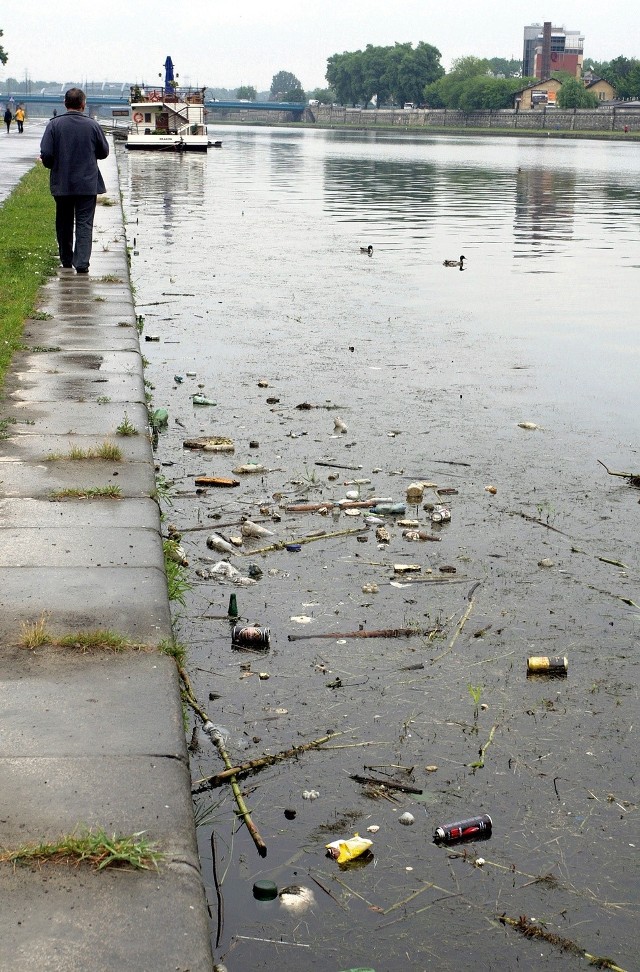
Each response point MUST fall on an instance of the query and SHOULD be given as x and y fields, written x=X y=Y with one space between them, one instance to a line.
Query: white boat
x=168 y=118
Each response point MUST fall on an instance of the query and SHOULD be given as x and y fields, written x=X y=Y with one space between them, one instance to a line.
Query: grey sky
x=224 y=45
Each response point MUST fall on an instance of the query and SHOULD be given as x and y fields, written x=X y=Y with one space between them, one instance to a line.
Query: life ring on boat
x=138 y=117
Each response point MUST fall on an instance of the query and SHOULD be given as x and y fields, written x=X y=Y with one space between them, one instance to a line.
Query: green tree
x=4 y=57
x=389 y=74
x=285 y=86
x=573 y=94
x=507 y=67
x=326 y=96
x=246 y=92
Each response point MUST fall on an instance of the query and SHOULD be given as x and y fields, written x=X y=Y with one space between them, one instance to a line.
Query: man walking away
x=71 y=146
x=8 y=118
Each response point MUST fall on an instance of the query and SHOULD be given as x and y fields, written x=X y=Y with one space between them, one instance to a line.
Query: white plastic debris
x=216 y=542
x=250 y=529
x=407 y=819
x=310 y=794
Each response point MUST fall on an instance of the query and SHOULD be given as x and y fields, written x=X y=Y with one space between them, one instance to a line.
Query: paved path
x=18 y=153
x=88 y=739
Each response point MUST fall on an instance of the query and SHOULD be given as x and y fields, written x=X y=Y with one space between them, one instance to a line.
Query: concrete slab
x=120 y=795
x=84 y=546
x=129 y=600
x=78 y=387
x=47 y=478
x=58 y=703
x=26 y=445
x=63 y=919
x=84 y=419
x=80 y=336
x=126 y=362
x=27 y=513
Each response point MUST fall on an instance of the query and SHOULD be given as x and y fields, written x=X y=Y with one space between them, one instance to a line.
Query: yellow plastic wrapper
x=346 y=850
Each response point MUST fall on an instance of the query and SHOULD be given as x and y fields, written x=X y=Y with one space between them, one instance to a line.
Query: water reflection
x=544 y=209
x=171 y=184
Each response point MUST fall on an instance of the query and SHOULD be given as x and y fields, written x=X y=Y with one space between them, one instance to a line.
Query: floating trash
x=310 y=794
x=547 y=665
x=202 y=400
x=216 y=542
x=528 y=425
x=339 y=425
x=250 y=529
x=297 y=898
x=347 y=850
x=210 y=443
x=479 y=826
x=407 y=819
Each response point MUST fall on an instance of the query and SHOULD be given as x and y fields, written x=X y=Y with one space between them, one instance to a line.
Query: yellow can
x=547 y=665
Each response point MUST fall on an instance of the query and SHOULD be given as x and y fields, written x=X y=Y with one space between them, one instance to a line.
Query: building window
x=147 y=117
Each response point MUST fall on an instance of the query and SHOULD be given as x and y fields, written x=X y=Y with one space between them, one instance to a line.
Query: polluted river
x=478 y=406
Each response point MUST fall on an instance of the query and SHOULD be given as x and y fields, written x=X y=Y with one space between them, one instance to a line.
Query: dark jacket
x=71 y=145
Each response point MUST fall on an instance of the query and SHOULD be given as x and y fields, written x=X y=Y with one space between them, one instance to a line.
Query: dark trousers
x=75 y=212
x=20 y=125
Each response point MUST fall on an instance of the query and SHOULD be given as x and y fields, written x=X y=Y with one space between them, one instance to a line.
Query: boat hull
x=168 y=143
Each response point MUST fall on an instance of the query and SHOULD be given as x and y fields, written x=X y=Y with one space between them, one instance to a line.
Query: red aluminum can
x=479 y=826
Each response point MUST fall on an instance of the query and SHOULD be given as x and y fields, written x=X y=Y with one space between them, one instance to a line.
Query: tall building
x=548 y=49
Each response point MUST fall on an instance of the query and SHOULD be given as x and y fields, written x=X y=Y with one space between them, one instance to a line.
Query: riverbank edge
x=89 y=739
x=433 y=130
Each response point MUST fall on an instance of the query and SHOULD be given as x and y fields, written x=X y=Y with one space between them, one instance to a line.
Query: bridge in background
x=108 y=101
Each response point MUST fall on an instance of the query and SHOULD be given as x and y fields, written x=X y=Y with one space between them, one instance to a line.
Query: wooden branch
x=388 y=784
x=281 y=544
x=377 y=633
x=461 y=623
x=267 y=760
x=217 y=741
x=625 y=475
x=242 y=807
x=531 y=930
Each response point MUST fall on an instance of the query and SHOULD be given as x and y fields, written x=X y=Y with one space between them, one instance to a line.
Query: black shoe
x=66 y=266
x=82 y=269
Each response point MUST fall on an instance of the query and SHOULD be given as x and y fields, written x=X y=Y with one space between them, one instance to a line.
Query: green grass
x=94 y=492
x=36 y=634
x=108 y=451
x=95 y=848
x=28 y=255
x=177 y=583
x=126 y=427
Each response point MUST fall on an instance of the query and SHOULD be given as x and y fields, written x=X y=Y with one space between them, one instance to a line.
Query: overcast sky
x=228 y=44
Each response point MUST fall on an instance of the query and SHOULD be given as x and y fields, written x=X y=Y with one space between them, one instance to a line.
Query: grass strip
x=97 y=849
x=28 y=255
x=36 y=634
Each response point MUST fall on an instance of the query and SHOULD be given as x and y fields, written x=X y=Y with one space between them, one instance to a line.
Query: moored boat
x=168 y=118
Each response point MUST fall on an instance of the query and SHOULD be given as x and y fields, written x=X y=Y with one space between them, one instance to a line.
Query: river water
x=247 y=267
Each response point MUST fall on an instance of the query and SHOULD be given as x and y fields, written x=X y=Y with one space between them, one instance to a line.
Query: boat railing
x=188 y=96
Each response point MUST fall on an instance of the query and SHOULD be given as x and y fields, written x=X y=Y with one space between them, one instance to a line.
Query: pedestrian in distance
x=71 y=146
x=19 y=116
x=8 y=118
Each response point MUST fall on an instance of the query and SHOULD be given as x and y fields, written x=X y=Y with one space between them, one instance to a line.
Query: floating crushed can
x=251 y=636
x=547 y=665
x=347 y=850
x=474 y=827
x=440 y=514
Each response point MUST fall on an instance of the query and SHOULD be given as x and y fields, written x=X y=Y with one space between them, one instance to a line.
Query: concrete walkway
x=89 y=739
x=18 y=153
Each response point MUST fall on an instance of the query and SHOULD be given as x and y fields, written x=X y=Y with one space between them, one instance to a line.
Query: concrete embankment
x=89 y=739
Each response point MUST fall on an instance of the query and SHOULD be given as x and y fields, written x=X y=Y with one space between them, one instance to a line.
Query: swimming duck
x=367 y=249
x=454 y=263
